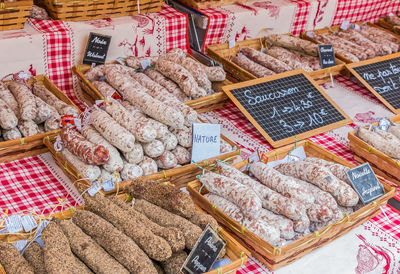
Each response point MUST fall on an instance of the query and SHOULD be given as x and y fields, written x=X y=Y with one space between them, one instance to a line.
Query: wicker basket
x=274 y=257
x=336 y=28
x=205 y=4
x=383 y=23
x=203 y=104
x=178 y=176
x=32 y=145
x=222 y=53
x=13 y=15
x=234 y=251
x=382 y=164
x=81 y=10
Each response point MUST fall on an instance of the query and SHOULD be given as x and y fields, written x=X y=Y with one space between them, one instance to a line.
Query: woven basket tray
x=336 y=28
x=274 y=257
x=234 y=251
x=382 y=164
x=203 y=104
x=222 y=53
x=383 y=23
x=32 y=145
x=205 y=4
x=81 y=10
x=13 y=15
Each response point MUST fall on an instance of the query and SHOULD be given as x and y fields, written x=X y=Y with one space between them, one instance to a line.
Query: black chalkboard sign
x=96 y=49
x=204 y=253
x=326 y=56
x=365 y=183
x=286 y=107
x=381 y=76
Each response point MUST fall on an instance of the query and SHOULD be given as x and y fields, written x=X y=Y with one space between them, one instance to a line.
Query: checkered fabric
x=300 y=19
x=27 y=184
x=363 y=10
x=176 y=28
x=217 y=22
x=59 y=55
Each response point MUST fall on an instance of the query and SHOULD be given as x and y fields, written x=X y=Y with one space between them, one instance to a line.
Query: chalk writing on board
x=384 y=79
x=96 y=49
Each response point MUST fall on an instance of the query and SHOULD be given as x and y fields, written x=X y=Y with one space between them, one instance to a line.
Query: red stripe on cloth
x=27 y=184
x=59 y=55
x=362 y=10
x=217 y=22
x=300 y=19
x=177 y=28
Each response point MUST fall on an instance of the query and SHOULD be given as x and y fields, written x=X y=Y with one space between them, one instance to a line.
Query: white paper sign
x=231 y=44
x=145 y=63
x=28 y=222
x=13 y=224
x=206 y=141
x=96 y=187
x=20 y=245
x=297 y=154
x=108 y=185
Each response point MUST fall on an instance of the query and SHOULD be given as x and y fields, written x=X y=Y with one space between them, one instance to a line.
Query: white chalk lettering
x=98 y=40
x=210 y=244
x=356 y=175
x=198 y=265
x=368 y=191
x=255 y=100
x=95 y=55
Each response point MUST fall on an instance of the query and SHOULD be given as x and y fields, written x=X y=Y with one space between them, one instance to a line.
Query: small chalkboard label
x=366 y=184
x=381 y=76
x=326 y=56
x=96 y=49
x=204 y=253
x=286 y=107
x=206 y=140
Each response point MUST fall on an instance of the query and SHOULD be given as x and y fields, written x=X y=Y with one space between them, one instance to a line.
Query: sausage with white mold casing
x=46 y=95
x=142 y=131
x=160 y=93
x=292 y=42
x=11 y=134
x=28 y=128
x=169 y=140
x=44 y=111
x=90 y=172
x=8 y=119
x=117 y=135
x=340 y=171
x=265 y=60
x=135 y=156
x=53 y=123
x=88 y=152
x=182 y=77
x=131 y=171
x=344 y=39
x=8 y=98
x=285 y=185
x=184 y=136
x=379 y=142
x=215 y=74
x=232 y=190
x=376 y=36
x=136 y=62
x=358 y=38
x=167 y=160
x=137 y=95
x=148 y=165
x=288 y=57
x=153 y=149
x=115 y=162
x=168 y=84
x=182 y=155
x=256 y=69
x=115 y=176
x=323 y=178
x=95 y=73
x=225 y=147
x=26 y=100
x=105 y=89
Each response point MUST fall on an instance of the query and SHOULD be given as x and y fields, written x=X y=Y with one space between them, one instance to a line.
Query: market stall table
x=254 y=19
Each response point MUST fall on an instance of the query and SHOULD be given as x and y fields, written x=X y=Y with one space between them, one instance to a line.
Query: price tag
x=99 y=104
x=28 y=222
x=204 y=253
x=109 y=184
x=356 y=27
x=381 y=76
x=365 y=183
x=96 y=187
x=326 y=56
x=297 y=154
x=68 y=121
x=13 y=224
x=117 y=97
x=345 y=25
x=206 y=139
x=96 y=49
x=145 y=63
x=310 y=34
x=231 y=44
x=286 y=107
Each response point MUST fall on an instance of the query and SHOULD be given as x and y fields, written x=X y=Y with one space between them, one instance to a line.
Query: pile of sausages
x=26 y=111
x=393 y=20
x=284 y=53
x=358 y=43
x=282 y=203
x=112 y=236
x=151 y=130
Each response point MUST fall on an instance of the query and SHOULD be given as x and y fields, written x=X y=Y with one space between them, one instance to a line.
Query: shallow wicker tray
x=81 y=10
x=382 y=164
x=274 y=257
x=383 y=23
x=335 y=28
x=32 y=145
x=205 y=4
x=235 y=251
x=222 y=53
x=203 y=104
x=13 y=15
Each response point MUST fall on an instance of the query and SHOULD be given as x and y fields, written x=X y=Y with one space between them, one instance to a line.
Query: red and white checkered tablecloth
x=257 y=18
